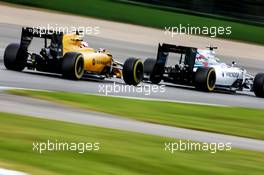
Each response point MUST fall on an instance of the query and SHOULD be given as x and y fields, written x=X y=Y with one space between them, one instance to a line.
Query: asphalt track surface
x=121 y=50
x=44 y=109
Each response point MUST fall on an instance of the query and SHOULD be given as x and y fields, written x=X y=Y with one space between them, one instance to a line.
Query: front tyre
x=205 y=79
x=258 y=85
x=72 y=66
x=14 y=58
x=133 y=71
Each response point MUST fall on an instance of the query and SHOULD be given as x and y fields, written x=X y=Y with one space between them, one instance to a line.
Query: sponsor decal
x=232 y=74
x=94 y=62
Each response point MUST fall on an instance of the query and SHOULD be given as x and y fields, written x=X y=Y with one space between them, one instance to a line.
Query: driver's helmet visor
x=205 y=58
x=84 y=44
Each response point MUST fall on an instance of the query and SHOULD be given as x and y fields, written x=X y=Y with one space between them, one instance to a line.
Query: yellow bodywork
x=94 y=61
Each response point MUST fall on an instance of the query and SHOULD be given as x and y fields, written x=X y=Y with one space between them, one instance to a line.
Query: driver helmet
x=84 y=44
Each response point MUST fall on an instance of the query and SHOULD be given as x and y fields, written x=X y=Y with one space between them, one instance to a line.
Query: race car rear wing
x=28 y=33
x=164 y=49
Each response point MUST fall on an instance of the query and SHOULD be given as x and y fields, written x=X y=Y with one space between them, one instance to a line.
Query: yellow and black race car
x=68 y=55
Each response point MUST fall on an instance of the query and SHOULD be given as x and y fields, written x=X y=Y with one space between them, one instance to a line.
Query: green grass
x=146 y=16
x=120 y=152
x=228 y=120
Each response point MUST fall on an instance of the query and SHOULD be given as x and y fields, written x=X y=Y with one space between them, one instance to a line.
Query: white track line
x=10 y=172
x=162 y=100
x=2 y=88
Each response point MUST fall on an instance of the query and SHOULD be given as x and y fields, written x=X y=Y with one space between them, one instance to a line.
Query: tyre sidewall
x=258 y=85
x=130 y=69
x=202 y=79
x=14 y=58
x=70 y=65
x=149 y=64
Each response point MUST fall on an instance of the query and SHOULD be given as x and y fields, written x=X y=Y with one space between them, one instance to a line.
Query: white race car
x=228 y=77
x=202 y=69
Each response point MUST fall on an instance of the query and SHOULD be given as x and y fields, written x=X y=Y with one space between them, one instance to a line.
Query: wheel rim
x=79 y=70
x=138 y=71
x=211 y=79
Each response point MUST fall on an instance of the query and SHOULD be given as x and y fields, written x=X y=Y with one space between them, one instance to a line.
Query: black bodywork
x=181 y=73
x=50 y=56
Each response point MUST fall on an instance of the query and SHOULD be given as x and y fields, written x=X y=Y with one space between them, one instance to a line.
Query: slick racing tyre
x=133 y=71
x=72 y=66
x=258 y=85
x=155 y=77
x=14 y=58
x=205 y=79
x=149 y=64
x=150 y=72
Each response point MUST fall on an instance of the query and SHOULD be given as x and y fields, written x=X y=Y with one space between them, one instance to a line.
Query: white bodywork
x=226 y=75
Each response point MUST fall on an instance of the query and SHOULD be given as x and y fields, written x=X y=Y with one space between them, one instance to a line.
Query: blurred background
x=78 y=105
x=244 y=10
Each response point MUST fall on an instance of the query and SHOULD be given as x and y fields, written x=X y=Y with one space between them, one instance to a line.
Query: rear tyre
x=205 y=79
x=14 y=58
x=258 y=85
x=149 y=64
x=150 y=71
x=72 y=66
x=133 y=71
x=155 y=78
